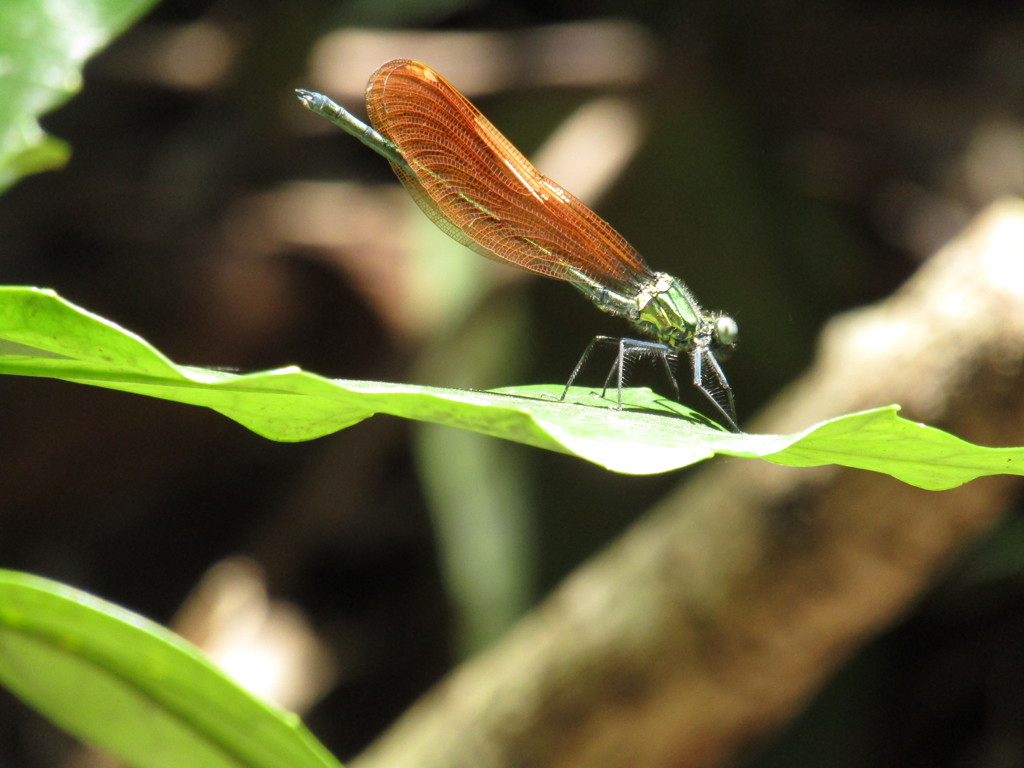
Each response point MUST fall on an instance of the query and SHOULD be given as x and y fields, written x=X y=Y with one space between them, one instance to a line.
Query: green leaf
x=116 y=680
x=48 y=336
x=43 y=46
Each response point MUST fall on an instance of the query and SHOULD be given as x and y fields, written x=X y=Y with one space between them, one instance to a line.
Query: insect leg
x=712 y=382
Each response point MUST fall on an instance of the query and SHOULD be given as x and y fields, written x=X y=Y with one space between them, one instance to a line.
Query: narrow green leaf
x=44 y=335
x=116 y=680
x=43 y=46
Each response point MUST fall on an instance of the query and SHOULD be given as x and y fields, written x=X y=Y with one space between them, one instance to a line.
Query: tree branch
x=718 y=615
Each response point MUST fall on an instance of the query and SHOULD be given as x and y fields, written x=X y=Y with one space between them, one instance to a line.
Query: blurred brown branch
x=720 y=613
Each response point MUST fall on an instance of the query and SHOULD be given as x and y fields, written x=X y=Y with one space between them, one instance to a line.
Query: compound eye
x=726 y=330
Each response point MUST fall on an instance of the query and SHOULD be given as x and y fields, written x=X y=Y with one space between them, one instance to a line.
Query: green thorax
x=663 y=309
x=668 y=311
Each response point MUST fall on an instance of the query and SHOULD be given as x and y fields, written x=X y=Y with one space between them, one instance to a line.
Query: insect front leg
x=712 y=382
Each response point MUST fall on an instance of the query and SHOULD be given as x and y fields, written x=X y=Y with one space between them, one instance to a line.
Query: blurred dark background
x=788 y=160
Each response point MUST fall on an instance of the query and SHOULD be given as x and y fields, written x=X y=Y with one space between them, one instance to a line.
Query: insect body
x=473 y=184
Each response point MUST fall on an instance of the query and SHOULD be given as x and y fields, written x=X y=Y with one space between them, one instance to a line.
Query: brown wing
x=478 y=188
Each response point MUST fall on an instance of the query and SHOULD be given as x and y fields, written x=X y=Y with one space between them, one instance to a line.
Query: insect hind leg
x=627 y=349
x=594 y=342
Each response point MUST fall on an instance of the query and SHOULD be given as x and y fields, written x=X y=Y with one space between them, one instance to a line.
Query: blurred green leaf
x=43 y=46
x=50 y=337
x=116 y=680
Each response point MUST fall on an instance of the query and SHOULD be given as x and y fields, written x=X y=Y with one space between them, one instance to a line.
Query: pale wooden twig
x=712 y=621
